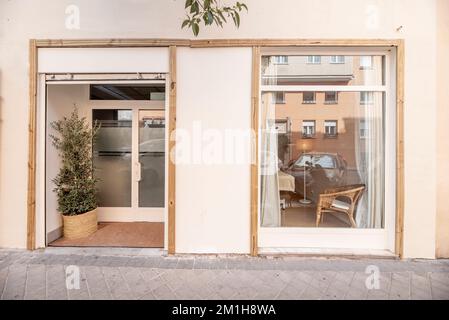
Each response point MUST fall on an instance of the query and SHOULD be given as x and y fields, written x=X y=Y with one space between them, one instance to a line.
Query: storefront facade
x=347 y=100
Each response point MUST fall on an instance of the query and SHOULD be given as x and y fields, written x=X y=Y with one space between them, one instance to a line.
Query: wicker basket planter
x=80 y=226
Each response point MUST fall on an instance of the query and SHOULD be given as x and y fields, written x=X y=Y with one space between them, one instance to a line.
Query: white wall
x=412 y=20
x=442 y=241
x=212 y=197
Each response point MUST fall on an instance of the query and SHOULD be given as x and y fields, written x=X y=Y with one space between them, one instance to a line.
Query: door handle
x=138 y=171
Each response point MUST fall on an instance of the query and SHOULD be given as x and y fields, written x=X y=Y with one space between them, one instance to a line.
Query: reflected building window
x=314 y=59
x=330 y=128
x=308 y=97
x=366 y=62
x=363 y=129
x=278 y=97
x=337 y=59
x=308 y=129
x=331 y=97
x=366 y=97
x=280 y=59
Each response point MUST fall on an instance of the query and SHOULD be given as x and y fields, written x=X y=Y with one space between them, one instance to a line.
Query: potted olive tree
x=75 y=184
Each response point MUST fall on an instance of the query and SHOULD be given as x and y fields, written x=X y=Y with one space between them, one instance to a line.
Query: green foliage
x=75 y=185
x=209 y=12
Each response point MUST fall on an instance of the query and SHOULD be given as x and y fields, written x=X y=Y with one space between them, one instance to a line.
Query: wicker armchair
x=328 y=202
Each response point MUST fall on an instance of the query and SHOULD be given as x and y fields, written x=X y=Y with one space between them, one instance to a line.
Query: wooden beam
x=399 y=239
x=171 y=149
x=293 y=42
x=31 y=195
x=109 y=43
x=255 y=88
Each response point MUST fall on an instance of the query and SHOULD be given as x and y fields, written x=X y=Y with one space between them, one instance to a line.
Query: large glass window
x=336 y=179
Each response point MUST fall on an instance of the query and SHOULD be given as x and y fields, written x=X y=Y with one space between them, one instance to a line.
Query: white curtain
x=270 y=200
x=369 y=154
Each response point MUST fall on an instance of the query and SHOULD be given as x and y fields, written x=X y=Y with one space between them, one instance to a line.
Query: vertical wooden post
x=31 y=200
x=399 y=239
x=255 y=88
x=171 y=150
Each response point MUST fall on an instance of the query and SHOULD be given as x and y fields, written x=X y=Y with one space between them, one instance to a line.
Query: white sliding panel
x=213 y=193
x=103 y=60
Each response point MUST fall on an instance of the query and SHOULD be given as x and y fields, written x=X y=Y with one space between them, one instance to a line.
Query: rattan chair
x=339 y=200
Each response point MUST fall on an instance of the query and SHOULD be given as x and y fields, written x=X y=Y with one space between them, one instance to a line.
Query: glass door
x=113 y=157
x=129 y=163
x=151 y=180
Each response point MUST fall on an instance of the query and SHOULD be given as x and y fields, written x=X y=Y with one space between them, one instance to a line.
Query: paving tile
x=3 y=276
x=185 y=264
x=377 y=294
x=322 y=280
x=335 y=293
x=359 y=281
x=96 y=284
x=15 y=283
x=80 y=292
x=135 y=281
x=163 y=292
x=439 y=294
x=344 y=277
x=35 y=288
x=439 y=282
x=356 y=293
x=290 y=292
x=56 y=282
x=186 y=292
x=311 y=293
x=116 y=284
x=400 y=286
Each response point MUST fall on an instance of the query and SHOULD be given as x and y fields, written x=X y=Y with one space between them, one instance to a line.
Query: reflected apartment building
x=324 y=121
x=338 y=132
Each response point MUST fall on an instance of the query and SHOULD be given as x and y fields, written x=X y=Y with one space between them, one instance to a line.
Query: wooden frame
x=215 y=43
x=400 y=60
x=31 y=196
x=255 y=96
x=171 y=146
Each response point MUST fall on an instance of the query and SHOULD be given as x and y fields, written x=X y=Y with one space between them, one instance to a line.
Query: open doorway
x=129 y=158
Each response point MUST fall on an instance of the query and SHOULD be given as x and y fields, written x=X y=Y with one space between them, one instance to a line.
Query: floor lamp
x=306 y=163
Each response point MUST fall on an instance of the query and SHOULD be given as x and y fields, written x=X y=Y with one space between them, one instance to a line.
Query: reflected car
x=322 y=171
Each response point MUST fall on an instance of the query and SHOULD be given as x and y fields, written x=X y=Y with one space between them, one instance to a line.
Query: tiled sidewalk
x=146 y=274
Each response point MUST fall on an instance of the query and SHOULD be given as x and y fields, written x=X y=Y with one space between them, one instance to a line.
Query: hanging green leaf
x=210 y=12
x=195 y=29
x=185 y=23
